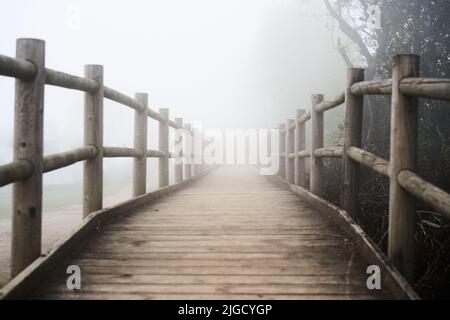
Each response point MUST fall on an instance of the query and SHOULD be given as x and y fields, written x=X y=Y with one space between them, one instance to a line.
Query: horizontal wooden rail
x=25 y=70
x=304 y=154
x=304 y=117
x=327 y=105
x=369 y=160
x=15 y=171
x=334 y=152
x=425 y=191
x=432 y=88
x=174 y=125
x=155 y=154
x=121 y=98
x=65 y=159
x=20 y=170
x=118 y=152
x=17 y=68
x=378 y=87
x=31 y=74
x=155 y=115
x=426 y=88
x=61 y=79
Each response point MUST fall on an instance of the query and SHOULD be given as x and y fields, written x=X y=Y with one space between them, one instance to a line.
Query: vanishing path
x=231 y=235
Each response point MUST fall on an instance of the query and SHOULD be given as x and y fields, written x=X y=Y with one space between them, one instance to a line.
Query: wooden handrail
x=369 y=160
x=65 y=159
x=65 y=80
x=29 y=164
x=425 y=191
x=17 y=68
x=328 y=105
x=432 y=88
x=405 y=87
x=372 y=87
x=334 y=152
x=15 y=171
x=120 y=152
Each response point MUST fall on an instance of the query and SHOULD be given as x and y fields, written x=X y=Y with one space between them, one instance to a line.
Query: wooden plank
x=279 y=248
x=393 y=280
x=30 y=278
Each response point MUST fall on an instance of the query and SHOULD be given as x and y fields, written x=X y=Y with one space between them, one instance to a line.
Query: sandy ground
x=56 y=225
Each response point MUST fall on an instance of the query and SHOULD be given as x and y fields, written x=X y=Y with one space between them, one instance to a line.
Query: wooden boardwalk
x=231 y=235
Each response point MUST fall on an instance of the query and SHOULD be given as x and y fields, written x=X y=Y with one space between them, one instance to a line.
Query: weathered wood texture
x=290 y=149
x=28 y=146
x=197 y=244
x=188 y=151
x=282 y=150
x=179 y=142
x=300 y=145
x=93 y=136
x=317 y=140
x=352 y=138
x=163 y=169
x=403 y=156
x=369 y=160
x=140 y=145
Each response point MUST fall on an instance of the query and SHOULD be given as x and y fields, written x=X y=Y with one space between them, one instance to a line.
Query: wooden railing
x=29 y=164
x=405 y=185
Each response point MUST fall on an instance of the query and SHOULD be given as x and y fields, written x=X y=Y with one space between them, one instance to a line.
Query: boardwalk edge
x=392 y=279
x=30 y=278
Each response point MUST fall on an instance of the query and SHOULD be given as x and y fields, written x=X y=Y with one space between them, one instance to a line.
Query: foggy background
x=229 y=64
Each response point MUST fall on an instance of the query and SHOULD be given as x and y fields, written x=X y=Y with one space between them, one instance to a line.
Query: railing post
x=316 y=176
x=282 y=151
x=352 y=138
x=93 y=135
x=300 y=136
x=179 y=141
x=290 y=148
x=164 y=147
x=403 y=155
x=28 y=146
x=247 y=150
x=189 y=147
x=140 y=144
x=198 y=151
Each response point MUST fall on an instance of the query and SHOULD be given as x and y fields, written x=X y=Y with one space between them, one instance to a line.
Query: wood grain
x=231 y=235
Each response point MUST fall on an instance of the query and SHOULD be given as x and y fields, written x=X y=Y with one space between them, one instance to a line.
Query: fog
x=229 y=64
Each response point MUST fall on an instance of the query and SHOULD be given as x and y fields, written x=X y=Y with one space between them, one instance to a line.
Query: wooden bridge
x=222 y=232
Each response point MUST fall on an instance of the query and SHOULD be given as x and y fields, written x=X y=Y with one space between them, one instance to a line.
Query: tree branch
x=351 y=33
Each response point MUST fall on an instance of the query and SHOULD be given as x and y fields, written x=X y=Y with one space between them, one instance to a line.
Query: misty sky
x=230 y=64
